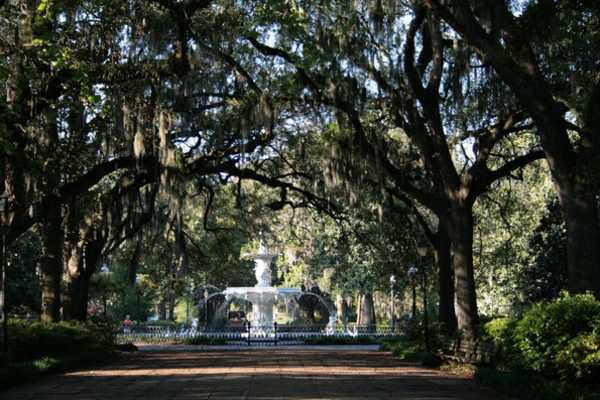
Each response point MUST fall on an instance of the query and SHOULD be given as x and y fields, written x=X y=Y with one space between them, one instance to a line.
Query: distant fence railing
x=248 y=334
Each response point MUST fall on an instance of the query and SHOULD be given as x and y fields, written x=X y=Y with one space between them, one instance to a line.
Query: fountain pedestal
x=263 y=296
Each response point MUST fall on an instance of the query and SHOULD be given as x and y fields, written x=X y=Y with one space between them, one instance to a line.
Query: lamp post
x=392 y=308
x=422 y=251
x=3 y=213
x=105 y=273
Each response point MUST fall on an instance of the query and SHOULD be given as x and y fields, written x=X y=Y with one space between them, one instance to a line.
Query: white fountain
x=263 y=296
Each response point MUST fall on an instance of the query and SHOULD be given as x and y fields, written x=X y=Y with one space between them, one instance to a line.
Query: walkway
x=267 y=374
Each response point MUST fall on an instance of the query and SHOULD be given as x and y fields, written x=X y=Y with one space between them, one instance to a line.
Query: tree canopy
x=156 y=139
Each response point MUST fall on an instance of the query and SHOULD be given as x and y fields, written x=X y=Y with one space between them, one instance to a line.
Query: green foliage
x=580 y=358
x=23 y=286
x=337 y=340
x=546 y=275
x=497 y=330
x=39 y=348
x=411 y=350
x=559 y=338
x=205 y=341
x=548 y=329
x=510 y=216
x=541 y=355
x=162 y=323
x=22 y=372
x=126 y=347
x=531 y=386
x=34 y=340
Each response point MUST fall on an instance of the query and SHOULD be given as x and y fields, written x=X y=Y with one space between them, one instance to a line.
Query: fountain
x=263 y=296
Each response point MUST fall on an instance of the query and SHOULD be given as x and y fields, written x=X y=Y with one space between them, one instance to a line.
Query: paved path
x=268 y=374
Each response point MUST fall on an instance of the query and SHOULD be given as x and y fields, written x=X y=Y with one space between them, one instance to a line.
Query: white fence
x=248 y=334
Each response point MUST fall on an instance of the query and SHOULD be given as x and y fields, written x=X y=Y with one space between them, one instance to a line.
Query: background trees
x=158 y=138
x=530 y=58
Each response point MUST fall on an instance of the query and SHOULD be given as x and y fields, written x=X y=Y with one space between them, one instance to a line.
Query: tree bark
x=71 y=296
x=80 y=267
x=161 y=310
x=446 y=311
x=367 y=311
x=342 y=309
x=461 y=230
x=51 y=264
x=171 y=305
x=134 y=262
x=583 y=240
x=574 y=167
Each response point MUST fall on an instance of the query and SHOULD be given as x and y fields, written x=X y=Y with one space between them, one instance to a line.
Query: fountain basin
x=256 y=293
x=263 y=299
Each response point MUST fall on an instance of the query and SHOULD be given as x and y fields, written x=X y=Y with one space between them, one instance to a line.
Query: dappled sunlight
x=324 y=371
x=269 y=374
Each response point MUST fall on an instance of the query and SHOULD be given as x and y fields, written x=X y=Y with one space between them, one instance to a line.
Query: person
x=127 y=324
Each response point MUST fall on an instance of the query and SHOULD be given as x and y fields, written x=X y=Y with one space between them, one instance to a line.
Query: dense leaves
x=558 y=338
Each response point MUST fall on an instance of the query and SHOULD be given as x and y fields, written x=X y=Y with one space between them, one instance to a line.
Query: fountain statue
x=263 y=296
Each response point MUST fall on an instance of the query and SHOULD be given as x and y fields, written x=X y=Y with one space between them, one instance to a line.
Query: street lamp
x=105 y=273
x=392 y=310
x=4 y=214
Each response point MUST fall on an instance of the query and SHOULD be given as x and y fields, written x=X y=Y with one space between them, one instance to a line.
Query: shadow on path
x=270 y=374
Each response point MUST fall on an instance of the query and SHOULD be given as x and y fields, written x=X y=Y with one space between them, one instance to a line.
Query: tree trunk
x=446 y=311
x=75 y=298
x=462 y=244
x=71 y=296
x=583 y=240
x=576 y=181
x=342 y=309
x=161 y=310
x=171 y=305
x=367 y=311
x=574 y=167
x=134 y=262
x=51 y=264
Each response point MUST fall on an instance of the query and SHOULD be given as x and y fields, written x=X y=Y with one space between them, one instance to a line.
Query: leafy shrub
x=340 y=340
x=162 y=322
x=26 y=371
x=205 y=340
x=580 y=358
x=499 y=331
x=560 y=338
x=531 y=386
x=35 y=340
x=411 y=350
x=127 y=347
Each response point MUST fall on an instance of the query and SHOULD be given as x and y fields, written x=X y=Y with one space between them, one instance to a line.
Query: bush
x=126 y=347
x=499 y=331
x=35 y=340
x=411 y=350
x=531 y=386
x=560 y=338
x=161 y=322
x=26 y=371
x=205 y=340
x=580 y=358
x=340 y=340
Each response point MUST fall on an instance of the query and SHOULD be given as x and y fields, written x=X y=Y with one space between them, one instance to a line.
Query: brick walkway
x=266 y=374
